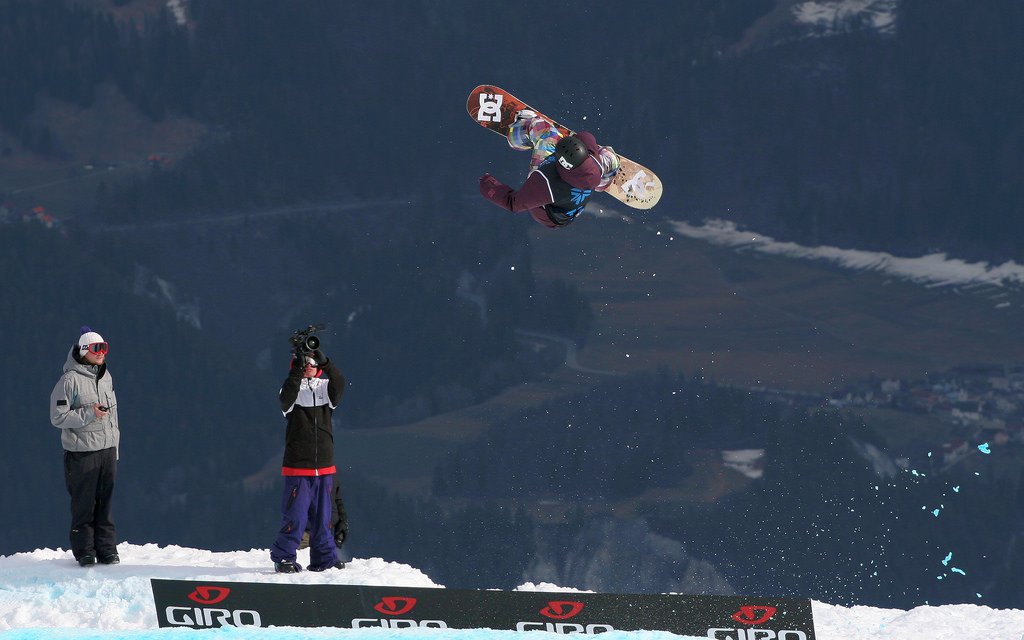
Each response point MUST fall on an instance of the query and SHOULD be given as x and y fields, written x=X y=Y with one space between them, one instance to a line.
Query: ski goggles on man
x=98 y=348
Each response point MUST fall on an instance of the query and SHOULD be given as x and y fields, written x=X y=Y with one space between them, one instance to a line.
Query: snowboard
x=495 y=109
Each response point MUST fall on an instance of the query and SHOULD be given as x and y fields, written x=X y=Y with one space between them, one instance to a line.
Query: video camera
x=303 y=340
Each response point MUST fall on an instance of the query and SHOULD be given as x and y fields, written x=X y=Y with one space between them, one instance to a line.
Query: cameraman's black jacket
x=308 y=404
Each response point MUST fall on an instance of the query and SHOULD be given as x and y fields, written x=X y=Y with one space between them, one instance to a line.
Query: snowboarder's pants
x=306 y=498
x=89 y=477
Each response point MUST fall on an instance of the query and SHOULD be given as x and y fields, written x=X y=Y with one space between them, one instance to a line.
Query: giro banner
x=203 y=605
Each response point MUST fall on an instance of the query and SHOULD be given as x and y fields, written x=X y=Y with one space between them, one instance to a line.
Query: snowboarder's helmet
x=571 y=152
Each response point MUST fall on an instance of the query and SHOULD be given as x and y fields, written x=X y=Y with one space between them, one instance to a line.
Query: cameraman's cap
x=87 y=338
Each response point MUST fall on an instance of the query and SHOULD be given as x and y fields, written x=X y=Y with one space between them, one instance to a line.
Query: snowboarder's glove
x=489 y=185
x=339 y=537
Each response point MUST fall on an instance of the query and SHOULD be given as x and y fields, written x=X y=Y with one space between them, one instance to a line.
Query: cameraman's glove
x=321 y=359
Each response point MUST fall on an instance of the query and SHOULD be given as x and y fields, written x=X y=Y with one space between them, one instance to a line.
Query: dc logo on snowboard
x=490 y=107
x=637 y=186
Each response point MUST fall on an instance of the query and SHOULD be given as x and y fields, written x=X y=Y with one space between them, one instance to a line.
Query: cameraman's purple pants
x=306 y=499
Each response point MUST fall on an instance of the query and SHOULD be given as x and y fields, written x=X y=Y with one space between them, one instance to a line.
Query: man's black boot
x=287 y=566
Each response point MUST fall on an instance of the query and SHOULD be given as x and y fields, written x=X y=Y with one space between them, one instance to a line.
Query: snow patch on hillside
x=936 y=269
x=826 y=17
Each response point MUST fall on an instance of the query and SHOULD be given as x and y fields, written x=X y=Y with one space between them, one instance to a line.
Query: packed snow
x=45 y=594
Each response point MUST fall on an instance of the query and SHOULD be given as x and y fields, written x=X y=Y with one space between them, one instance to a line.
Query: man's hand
x=320 y=358
x=488 y=185
x=99 y=410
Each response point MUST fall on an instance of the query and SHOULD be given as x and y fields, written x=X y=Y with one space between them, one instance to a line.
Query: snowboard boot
x=111 y=558
x=287 y=566
x=519 y=131
x=610 y=165
x=86 y=561
x=337 y=565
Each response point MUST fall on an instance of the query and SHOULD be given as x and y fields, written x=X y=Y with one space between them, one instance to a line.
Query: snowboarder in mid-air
x=564 y=172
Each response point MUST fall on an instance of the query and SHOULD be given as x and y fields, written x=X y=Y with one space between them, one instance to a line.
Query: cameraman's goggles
x=96 y=347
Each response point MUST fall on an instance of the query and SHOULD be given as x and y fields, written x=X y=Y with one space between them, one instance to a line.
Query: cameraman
x=308 y=401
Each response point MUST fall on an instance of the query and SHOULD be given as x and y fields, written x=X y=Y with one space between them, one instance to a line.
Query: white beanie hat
x=87 y=338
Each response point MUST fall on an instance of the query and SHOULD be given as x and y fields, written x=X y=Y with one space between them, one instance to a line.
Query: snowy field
x=45 y=594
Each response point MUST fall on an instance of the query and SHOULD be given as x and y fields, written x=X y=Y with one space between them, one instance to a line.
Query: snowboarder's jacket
x=308 y=404
x=71 y=406
x=552 y=194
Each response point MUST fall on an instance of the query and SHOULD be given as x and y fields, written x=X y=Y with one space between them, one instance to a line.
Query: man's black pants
x=89 y=476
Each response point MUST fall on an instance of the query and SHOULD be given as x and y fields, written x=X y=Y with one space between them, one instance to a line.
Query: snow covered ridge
x=45 y=594
x=826 y=17
x=933 y=269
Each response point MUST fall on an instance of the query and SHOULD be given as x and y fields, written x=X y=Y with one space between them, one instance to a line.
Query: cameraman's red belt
x=324 y=471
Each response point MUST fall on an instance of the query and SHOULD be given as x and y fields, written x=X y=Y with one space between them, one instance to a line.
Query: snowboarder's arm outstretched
x=535 y=192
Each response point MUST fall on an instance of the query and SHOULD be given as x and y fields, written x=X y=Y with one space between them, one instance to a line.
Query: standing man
x=308 y=402
x=84 y=408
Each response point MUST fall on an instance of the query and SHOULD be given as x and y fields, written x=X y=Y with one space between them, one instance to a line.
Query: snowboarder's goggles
x=96 y=347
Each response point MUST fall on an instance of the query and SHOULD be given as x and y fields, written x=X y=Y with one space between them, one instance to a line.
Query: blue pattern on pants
x=306 y=499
